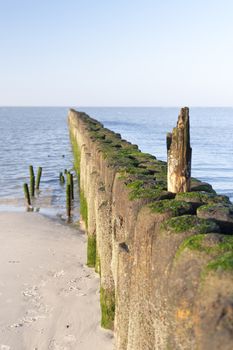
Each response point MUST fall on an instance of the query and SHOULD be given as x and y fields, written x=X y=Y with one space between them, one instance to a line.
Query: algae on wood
x=107 y=303
x=39 y=173
x=27 y=194
x=91 y=250
x=32 y=180
x=68 y=200
x=179 y=155
x=61 y=178
x=72 y=185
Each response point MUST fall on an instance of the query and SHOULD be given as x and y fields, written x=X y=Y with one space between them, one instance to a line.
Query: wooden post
x=26 y=194
x=72 y=186
x=68 y=200
x=32 y=181
x=68 y=178
x=39 y=172
x=179 y=155
x=70 y=181
x=61 y=178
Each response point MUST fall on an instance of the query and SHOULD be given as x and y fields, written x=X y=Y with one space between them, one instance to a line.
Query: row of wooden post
x=36 y=185
x=33 y=184
x=179 y=155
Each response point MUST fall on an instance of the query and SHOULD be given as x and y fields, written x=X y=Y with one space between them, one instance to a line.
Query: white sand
x=49 y=299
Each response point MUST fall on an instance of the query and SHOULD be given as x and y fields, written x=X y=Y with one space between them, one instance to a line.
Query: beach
x=49 y=298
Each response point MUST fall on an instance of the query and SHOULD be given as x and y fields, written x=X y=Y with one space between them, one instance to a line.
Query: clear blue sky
x=116 y=52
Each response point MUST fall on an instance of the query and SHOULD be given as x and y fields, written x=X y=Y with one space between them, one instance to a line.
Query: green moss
x=141 y=189
x=221 y=263
x=226 y=244
x=202 y=187
x=173 y=206
x=136 y=165
x=97 y=264
x=220 y=208
x=202 y=197
x=219 y=247
x=189 y=223
x=83 y=208
x=76 y=153
x=192 y=243
x=91 y=251
x=218 y=199
x=119 y=154
x=107 y=303
x=156 y=193
x=121 y=158
x=146 y=182
x=201 y=243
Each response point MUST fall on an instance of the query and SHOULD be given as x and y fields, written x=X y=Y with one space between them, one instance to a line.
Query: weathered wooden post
x=26 y=194
x=70 y=181
x=38 y=177
x=179 y=155
x=32 y=181
x=61 y=178
x=68 y=178
x=72 y=186
x=68 y=200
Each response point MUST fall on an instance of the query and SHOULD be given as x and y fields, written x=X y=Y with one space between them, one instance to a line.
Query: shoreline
x=49 y=298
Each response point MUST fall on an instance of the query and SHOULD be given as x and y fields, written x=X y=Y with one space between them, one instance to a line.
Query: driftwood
x=179 y=155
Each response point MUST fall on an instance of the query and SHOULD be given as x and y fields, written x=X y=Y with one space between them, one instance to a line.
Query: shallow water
x=39 y=136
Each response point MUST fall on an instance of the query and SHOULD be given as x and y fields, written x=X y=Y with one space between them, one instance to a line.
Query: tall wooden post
x=27 y=194
x=68 y=200
x=39 y=173
x=32 y=181
x=179 y=155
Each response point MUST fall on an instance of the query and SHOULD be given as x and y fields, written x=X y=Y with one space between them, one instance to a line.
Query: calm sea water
x=39 y=136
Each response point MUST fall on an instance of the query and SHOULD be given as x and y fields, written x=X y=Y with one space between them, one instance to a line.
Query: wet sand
x=49 y=299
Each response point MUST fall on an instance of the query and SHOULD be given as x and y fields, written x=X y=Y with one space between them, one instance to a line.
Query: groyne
x=165 y=261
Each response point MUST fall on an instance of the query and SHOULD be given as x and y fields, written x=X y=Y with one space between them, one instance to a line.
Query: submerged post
x=39 y=173
x=179 y=155
x=68 y=200
x=32 y=180
x=72 y=186
x=61 y=178
x=70 y=181
x=26 y=194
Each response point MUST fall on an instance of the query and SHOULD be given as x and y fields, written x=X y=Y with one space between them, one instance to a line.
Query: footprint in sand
x=59 y=274
x=63 y=344
x=37 y=311
x=30 y=292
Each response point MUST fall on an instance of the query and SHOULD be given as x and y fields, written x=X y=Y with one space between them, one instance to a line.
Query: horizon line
x=113 y=106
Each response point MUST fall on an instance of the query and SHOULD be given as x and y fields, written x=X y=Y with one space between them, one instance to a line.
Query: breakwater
x=165 y=261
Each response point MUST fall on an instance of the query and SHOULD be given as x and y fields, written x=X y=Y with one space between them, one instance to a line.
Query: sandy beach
x=49 y=299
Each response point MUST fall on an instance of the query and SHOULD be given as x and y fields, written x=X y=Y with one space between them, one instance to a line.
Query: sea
x=39 y=136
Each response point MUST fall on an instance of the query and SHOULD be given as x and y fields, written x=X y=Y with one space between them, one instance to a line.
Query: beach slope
x=49 y=299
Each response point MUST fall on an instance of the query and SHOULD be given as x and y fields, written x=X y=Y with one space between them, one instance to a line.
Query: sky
x=116 y=53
